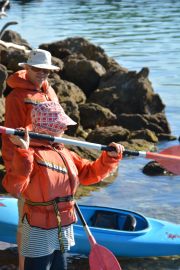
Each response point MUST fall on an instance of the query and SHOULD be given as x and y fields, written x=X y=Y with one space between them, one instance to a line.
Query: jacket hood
x=19 y=80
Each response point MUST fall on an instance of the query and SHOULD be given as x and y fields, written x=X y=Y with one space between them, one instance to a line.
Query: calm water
x=137 y=34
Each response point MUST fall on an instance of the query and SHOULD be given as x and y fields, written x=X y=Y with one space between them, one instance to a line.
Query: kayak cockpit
x=117 y=219
x=110 y=220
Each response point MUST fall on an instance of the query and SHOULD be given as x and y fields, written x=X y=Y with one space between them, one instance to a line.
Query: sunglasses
x=36 y=70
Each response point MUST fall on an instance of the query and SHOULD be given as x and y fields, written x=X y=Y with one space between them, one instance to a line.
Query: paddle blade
x=168 y=158
x=173 y=150
x=101 y=258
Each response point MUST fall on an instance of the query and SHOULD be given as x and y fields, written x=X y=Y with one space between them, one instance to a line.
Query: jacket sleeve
x=15 y=110
x=15 y=115
x=91 y=172
x=17 y=178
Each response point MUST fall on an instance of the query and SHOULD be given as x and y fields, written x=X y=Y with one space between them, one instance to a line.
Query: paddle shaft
x=66 y=141
x=168 y=158
x=54 y=139
x=85 y=226
x=100 y=257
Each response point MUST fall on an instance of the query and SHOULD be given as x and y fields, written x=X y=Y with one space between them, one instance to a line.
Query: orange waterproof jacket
x=18 y=107
x=41 y=174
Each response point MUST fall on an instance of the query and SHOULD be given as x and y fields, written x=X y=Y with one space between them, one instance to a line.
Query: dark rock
x=143 y=73
x=3 y=77
x=14 y=37
x=139 y=145
x=57 y=62
x=11 y=57
x=158 y=122
x=154 y=169
x=67 y=90
x=166 y=137
x=84 y=73
x=134 y=93
x=105 y=97
x=145 y=134
x=74 y=45
x=62 y=53
x=2 y=173
x=71 y=108
x=8 y=256
x=81 y=46
x=106 y=135
x=93 y=115
x=2 y=110
x=132 y=121
x=5 y=26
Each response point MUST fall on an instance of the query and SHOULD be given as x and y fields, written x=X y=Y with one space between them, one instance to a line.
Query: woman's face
x=57 y=134
x=37 y=75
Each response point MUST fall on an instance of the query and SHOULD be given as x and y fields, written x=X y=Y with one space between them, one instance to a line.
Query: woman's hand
x=118 y=149
x=22 y=143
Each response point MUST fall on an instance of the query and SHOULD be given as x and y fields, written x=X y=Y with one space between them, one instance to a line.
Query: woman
x=28 y=86
x=47 y=176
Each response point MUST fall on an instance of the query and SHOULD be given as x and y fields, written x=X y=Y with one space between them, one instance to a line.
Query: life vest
x=59 y=172
x=42 y=174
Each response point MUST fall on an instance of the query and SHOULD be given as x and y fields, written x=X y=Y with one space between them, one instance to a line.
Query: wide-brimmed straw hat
x=49 y=115
x=40 y=59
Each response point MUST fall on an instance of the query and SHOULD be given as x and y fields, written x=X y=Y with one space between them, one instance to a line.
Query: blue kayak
x=125 y=233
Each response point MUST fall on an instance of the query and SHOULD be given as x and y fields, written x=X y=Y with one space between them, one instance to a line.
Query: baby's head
x=49 y=117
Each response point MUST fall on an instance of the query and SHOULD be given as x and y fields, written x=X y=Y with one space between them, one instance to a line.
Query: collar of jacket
x=45 y=144
x=19 y=80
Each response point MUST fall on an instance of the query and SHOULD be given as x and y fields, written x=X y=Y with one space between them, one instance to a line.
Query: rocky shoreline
x=109 y=102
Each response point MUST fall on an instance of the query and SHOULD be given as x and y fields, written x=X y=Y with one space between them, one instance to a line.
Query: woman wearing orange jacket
x=47 y=176
x=28 y=86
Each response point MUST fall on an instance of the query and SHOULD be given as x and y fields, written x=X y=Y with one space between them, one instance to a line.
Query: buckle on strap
x=64 y=199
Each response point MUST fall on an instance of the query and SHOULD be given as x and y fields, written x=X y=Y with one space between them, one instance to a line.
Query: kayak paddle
x=100 y=258
x=168 y=158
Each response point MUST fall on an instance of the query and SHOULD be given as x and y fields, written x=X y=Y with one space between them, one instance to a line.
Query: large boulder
x=66 y=90
x=14 y=37
x=93 y=115
x=2 y=111
x=106 y=135
x=81 y=46
x=154 y=122
x=84 y=73
x=131 y=92
x=11 y=57
x=71 y=108
x=3 y=77
x=145 y=134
